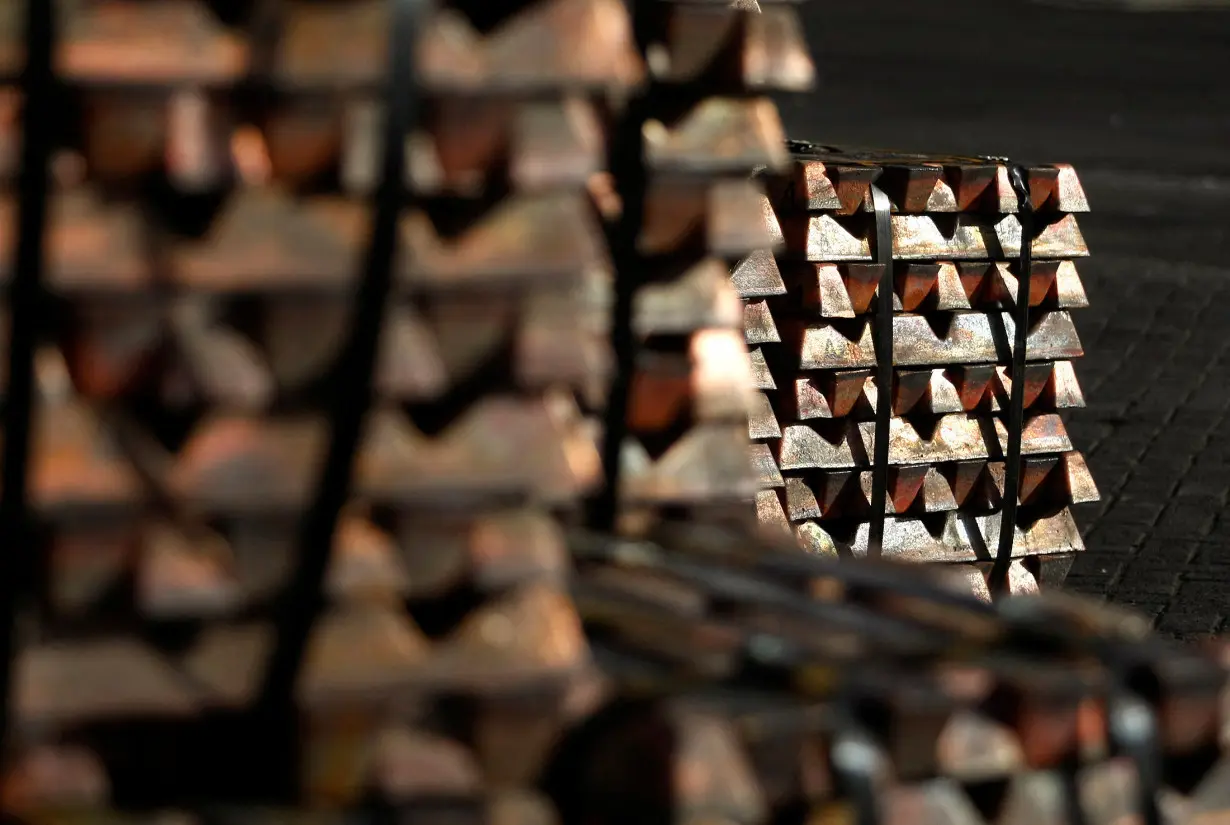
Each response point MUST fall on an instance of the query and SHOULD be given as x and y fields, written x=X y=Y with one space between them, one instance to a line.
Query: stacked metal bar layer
x=706 y=124
x=208 y=234
x=810 y=320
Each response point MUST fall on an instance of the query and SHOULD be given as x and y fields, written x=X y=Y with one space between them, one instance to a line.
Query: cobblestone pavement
x=1157 y=434
x=1149 y=139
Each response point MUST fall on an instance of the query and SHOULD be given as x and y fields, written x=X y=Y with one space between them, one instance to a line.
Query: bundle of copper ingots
x=778 y=687
x=810 y=321
x=706 y=125
x=208 y=225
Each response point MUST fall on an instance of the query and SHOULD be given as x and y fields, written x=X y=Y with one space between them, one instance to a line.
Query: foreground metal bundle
x=811 y=320
x=236 y=266
x=761 y=685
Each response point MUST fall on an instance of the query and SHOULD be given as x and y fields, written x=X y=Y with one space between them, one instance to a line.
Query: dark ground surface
x=1140 y=103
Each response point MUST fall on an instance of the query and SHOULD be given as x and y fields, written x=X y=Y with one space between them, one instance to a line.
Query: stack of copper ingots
x=706 y=125
x=810 y=320
x=209 y=229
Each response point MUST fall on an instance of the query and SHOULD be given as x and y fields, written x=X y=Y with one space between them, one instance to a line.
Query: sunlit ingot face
x=720 y=361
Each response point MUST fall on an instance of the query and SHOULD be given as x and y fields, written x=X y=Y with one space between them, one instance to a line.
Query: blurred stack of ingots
x=705 y=124
x=208 y=227
x=810 y=318
x=578 y=184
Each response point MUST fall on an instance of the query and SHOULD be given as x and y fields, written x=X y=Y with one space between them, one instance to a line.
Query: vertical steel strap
x=626 y=164
x=1016 y=403
x=883 y=253
x=25 y=305
x=304 y=597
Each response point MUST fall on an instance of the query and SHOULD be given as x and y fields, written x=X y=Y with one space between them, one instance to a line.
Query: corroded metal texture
x=810 y=317
x=705 y=128
x=209 y=227
x=750 y=714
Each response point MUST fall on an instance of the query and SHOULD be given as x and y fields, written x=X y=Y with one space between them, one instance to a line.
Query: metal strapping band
x=883 y=254
x=304 y=597
x=1016 y=403
x=38 y=87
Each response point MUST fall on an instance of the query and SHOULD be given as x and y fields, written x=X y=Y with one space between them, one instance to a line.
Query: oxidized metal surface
x=690 y=394
x=809 y=303
x=961 y=237
x=975 y=485
x=919 y=340
x=827 y=179
x=846 y=290
x=203 y=260
x=940 y=391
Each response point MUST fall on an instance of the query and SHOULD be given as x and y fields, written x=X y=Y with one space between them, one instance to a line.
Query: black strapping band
x=304 y=598
x=1016 y=404
x=38 y=87
x=627 y=165
x=856 y=759
x=883 y=254
x=1134 y=733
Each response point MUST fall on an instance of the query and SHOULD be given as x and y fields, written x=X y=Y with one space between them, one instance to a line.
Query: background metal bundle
x=811 y=317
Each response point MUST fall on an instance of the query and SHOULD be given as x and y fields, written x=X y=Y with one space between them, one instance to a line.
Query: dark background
x=1140 y=103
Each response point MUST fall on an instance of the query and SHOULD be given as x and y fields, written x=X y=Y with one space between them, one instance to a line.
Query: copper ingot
x=265 y=240
x=709 y=463
x=719 y=135
x=185 y=576
x=720 y=217
x=360 y=652
x=90 y=247
x=526 y=240
x=762 y=421
x=711 y=382
x=530 y=634
x=499 y=447
x=403 y=765
x=766 y=466
x=487 y=551
x=758 y=324
x=65 y=683
x=125 y=43
x=758 y=276
x=76 y=466
x=365 y=564
x=846 y=290
x=86 y=563
x=237 y=464
x=226 y=368
x=50 y=777
x=766 y=50
x=701 y=298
